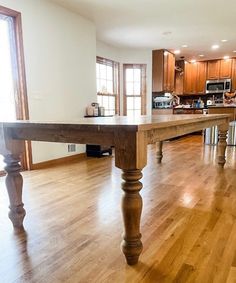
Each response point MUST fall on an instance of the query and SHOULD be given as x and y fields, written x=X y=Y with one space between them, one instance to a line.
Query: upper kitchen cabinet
x=234 y=74
x=213 y=70
x=226 y=68
x=163 y=71
x=195 y=77
x=201 y=77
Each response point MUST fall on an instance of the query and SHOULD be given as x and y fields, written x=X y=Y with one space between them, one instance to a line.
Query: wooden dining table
x=129 y=136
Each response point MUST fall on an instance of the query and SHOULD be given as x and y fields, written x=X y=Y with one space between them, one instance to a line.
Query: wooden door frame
x=21 y=100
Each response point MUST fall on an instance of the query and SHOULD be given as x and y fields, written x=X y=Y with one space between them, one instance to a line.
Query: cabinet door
x=157 y=70
x=193 y=79
x=187 y=78
x=225 y=69
x=213 y=70
x=201 y=77
x=171 y=72
x=234 y=75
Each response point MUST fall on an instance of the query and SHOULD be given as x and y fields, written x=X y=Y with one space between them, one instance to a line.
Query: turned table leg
x=131 y=209
x=159 y=153
x=222 y=144
x=14 y=184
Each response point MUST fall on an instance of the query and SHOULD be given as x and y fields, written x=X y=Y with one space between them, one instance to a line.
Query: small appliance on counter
x=94 y=110
x=166 y=100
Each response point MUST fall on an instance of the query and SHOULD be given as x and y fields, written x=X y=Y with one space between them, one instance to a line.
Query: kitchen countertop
x=223 y=106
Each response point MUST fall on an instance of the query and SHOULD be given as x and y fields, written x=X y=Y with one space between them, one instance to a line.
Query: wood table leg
x=14 y=183
x=223 y=129
x=131 y=209
x=159 y=153
x=131 y=158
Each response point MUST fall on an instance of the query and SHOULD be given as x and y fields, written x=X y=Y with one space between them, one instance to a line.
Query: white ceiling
x=156 y=24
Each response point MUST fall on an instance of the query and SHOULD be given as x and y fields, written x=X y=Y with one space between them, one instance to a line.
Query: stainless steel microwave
x=218 y=86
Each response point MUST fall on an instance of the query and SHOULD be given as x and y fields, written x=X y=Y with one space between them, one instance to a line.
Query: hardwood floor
x=73 y=224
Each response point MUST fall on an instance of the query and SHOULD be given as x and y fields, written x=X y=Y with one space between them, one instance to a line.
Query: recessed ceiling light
x=184 y=45
x=215 y=46
x=177 y=51
x=234 y=51
x=201 y=55
x=193 y=61
x=224 y=40
x=226 y=57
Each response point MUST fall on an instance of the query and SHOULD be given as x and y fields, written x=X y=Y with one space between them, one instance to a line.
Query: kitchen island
x=129 y=136
x=229 y=109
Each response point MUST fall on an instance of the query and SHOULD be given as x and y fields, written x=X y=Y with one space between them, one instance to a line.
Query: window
x=13 y=98
x=134 y=89
x=107 y=85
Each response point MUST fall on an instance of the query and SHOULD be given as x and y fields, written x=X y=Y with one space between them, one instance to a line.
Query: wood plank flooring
x=73 y=224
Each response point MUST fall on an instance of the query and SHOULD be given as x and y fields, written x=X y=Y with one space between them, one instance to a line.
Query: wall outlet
x=71 y=147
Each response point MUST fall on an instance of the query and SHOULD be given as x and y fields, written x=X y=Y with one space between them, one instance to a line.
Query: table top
x=138 y=123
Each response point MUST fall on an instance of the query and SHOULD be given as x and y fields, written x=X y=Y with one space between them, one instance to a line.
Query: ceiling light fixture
x=193 y=61
x=215 y=46
x=224 y=40
x=226 y=57
x=201 y=55
x=184 y=45
x=177 y=51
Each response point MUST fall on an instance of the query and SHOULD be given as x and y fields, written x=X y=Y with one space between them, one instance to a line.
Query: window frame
x=143 y=69
x=115 y=81
x=21 y=100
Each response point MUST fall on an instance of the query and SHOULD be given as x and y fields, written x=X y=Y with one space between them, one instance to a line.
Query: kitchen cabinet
x=163 y=71
x=213 y=69
x=179 y=77
x=162 y=111
x=187 y=77
x=194 y=78
x=226 y=68
x=234 y=75
x=201 y=77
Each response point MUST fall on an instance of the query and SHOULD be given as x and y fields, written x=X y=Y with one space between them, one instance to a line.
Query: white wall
x=60 y=54
x=129 y=56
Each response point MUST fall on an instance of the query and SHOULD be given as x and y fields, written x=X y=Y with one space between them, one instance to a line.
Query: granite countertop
x=222 y=106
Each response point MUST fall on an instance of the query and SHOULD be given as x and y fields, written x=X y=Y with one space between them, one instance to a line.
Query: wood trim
x=21 y=100
x=59 y=161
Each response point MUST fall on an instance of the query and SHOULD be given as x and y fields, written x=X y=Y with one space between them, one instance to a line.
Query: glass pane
x=99 y=100
x=109 y=73
x=103 y=86
x=130 y=103
x=130 y=112
x=111 y=103
x=103 y=71
x=129 y=89
x=137 y=113
x=137 y=75
x=7 y=100
x=129 y=75
x=109 y=87
x=137 y=88
x=137 y=103
x=105 y=102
